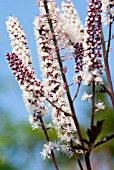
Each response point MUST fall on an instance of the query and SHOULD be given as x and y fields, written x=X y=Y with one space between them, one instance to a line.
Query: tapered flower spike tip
x=18 y=40
x=92 y=60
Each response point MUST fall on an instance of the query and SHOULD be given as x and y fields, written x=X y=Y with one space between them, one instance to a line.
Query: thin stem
x=44 y=129
x=79 y=84
x=109 y=80
x=76 y=155
x=108 y=75
x=48 y=140
x=93 y=104
x=79 y=163
x=58 y=108
x=87 y=160
x=109 y=37
x=71 y=84
x=63 y=75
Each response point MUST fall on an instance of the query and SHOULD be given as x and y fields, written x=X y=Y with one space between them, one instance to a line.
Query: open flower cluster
x=20 y=62
x=92 y=56
x=54 y=88
x=72 y=25
x=108 y=11
x=47 y=148
x=30 y=86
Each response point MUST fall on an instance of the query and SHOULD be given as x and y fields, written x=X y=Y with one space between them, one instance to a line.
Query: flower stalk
x=93 y=104
x=62 y=73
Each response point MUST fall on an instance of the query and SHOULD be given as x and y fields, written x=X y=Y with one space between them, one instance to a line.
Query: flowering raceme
x=18 y=40
x=51 y=76
x=92 y=56
x=20 y=62
x=30 y=87
x=60 y=36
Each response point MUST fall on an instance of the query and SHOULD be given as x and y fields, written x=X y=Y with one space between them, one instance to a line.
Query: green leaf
x=79 y=147
x=104 y=140
x=87 y=142
x=95 y=131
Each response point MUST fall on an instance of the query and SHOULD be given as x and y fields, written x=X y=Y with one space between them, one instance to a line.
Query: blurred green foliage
x=20 y=146
x=17 y=139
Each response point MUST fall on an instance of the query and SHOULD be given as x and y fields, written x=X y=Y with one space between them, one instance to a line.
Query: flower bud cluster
x=30 y=86
x=108 y=11
x=92 y=56
x=18 y=40
x=52 y=81
x=72 y=25
x=79 y=54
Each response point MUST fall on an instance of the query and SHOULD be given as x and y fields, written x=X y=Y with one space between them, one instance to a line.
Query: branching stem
x=58 y=108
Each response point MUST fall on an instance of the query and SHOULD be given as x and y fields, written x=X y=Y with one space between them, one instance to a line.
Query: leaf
x=86 y=141
x=79 y=147
x=103 y=89
x=104 y=140
x=95 y=131
x=82 y=148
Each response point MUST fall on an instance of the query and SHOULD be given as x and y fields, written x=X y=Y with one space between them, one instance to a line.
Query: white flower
x=72 y=25
x=75 y=79
x=85 y=96
x=47 y=148
x=98 y=80
x=46 y=151
x=33 y=123
x=107 y=9
x=99 y=106
x=87 y=77
x=67 y=150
